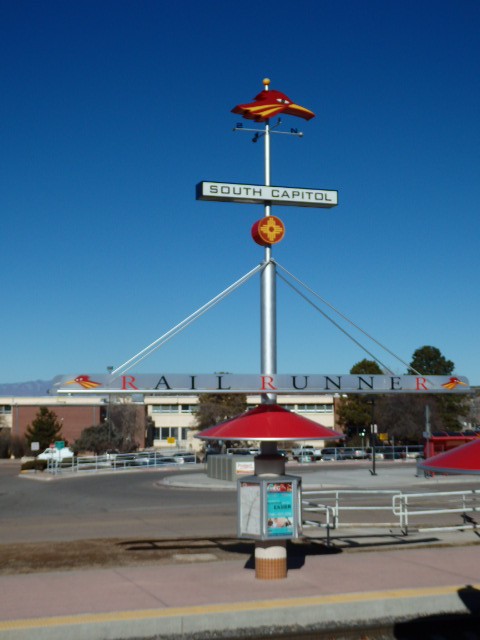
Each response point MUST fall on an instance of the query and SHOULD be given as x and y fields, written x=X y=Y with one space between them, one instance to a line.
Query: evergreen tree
x=429 y=361
x=45 y=428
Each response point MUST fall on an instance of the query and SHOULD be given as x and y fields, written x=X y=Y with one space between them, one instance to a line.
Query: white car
x=52 y=453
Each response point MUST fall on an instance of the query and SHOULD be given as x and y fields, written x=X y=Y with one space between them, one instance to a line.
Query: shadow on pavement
x=229 y=548
x=365 y=541
x=462 y=626
x=298 y=552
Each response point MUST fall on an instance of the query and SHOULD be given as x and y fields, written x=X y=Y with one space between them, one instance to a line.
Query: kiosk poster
x=280 y=516
x=250 y=507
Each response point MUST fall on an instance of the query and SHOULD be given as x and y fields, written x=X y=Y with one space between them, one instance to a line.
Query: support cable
x=349 y=321
x=144 y=353
x=335 y=323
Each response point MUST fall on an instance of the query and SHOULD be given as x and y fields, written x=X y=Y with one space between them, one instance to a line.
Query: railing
x=121 y=462
x=413 y=505
x=336 y=503
x=404 y=452
x=332 y=506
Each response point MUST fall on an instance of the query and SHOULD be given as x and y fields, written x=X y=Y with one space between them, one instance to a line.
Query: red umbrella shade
x=268 y=422
x=462 y=459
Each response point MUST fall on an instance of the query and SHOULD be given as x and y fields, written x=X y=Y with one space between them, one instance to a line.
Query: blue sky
x=113 y=110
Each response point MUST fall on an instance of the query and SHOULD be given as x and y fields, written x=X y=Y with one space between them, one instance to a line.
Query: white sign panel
x=189 y=383
x=260 y=194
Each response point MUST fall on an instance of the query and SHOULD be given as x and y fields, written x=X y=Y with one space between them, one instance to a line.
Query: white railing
x=120 y=462
x=413 y=505
x=332 y=507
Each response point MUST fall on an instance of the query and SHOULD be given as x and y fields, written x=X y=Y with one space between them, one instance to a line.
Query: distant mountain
x=21 y=389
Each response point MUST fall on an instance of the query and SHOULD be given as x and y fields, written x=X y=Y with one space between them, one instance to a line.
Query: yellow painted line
x=233 y=607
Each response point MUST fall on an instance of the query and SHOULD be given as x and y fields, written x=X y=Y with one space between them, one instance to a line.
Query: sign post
x=270 y=551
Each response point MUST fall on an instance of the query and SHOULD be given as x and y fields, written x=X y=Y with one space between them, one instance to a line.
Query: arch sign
x=189 y=383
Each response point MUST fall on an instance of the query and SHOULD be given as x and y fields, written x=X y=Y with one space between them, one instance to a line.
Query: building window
x=179 y=433
x=188 y=408
x=5 y=409
x=165 y=408
x=174 y=408
x=315 y=408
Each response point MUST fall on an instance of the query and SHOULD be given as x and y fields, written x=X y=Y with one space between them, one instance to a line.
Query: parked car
x=345 y=453
x=52 y=453
x=361 y=454
x=239 y=451
x=123 y=460
x=329 y=454
x=306 y=454
x=152 y=459
x=187 y=457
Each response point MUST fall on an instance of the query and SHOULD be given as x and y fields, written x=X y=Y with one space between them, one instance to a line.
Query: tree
x=403 y=416
x=429 y=361
x=218 y=407
x=45 y=428
x=123 y=427
x=128 y=422
x=149 y=431
x=354 y=413
x=368 y=367
x=98 y=439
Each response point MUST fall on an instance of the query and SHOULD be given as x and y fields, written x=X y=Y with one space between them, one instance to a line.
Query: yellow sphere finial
x=266 y=81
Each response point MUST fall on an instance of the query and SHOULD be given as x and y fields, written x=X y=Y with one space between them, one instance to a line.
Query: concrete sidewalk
x=214 y=599
x=201 y=597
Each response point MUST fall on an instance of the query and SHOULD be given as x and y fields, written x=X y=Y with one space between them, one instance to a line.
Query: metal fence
x=123 y=461
x=409 y=506
x=437 y=511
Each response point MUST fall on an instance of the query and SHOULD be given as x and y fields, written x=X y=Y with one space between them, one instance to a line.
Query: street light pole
x=373 y=437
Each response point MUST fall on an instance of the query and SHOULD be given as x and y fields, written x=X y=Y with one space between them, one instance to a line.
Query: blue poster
x=279 y=509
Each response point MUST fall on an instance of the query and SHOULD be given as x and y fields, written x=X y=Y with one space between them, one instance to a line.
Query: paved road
x=415 y=593
x=125 y=504
x=137 y=503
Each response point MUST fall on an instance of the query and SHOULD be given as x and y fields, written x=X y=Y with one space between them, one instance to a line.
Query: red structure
x=460 y=460
x=269 y=423
x=441 y=443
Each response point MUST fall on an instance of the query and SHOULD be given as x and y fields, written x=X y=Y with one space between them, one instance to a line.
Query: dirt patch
x=115 y=552
x=83 y=554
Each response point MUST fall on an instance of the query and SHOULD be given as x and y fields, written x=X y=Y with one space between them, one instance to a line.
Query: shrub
x=37 y=465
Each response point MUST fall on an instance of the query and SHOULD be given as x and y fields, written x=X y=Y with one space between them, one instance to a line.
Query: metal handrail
x=338 y=507
x=400 y=507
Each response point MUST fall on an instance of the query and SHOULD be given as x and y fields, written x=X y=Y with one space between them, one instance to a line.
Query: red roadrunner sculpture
x=271 y=103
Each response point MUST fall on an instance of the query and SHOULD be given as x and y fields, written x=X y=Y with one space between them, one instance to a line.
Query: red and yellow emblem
x=268 y=104
x=85 y=382
x=452 y=383
x=268 y=230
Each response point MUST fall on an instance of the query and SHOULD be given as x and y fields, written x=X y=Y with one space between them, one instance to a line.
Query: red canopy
x=462 y=459
x=268 y=422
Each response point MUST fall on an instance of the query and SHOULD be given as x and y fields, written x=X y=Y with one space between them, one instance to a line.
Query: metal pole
x=373 y=438
x=270 y=555
x=268 y=303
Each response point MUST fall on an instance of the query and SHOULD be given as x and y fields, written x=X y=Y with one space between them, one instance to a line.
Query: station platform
x=334 y=593
x=374 y=591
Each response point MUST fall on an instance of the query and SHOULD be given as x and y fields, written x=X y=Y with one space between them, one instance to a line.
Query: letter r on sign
x=267 y=383
x=422 y=384
x=127 y=383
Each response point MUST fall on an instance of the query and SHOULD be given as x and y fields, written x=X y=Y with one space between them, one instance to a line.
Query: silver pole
x=269 y=553
x=268 y=292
